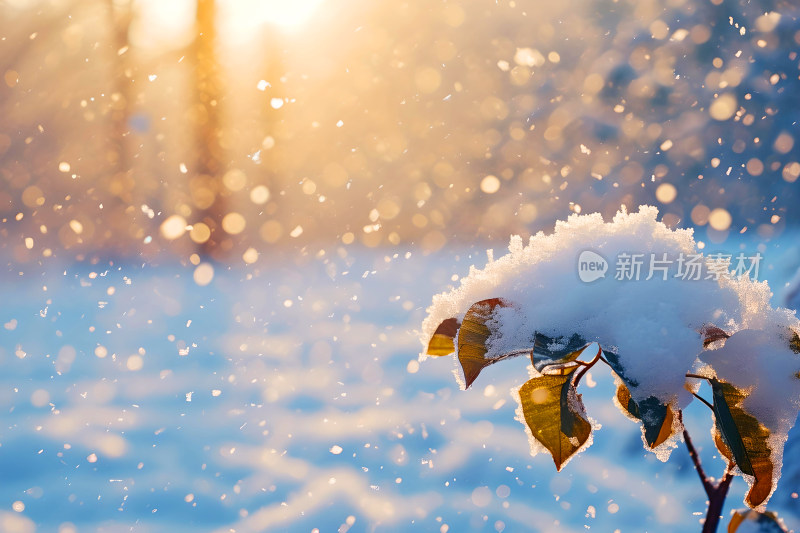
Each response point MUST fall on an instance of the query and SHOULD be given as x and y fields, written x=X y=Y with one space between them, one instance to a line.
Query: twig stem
x=703 y=400
x=716 y=492
x=587 y=366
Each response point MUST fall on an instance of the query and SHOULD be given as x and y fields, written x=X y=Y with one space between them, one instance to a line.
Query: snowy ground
x=288 y=397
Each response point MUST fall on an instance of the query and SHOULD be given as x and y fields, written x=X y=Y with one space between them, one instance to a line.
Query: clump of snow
x=651 y=325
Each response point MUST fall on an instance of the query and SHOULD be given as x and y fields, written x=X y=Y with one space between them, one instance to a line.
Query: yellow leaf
x=554 y=413
x=472 y=337
x=441 y=342
x=766 y=522
x=736 y=521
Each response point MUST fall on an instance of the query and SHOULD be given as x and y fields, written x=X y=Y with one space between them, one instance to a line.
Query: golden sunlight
x=244 y=15
x=171 y=24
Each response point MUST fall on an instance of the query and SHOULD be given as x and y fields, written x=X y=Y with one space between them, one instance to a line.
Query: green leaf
x=746 y=438
x=766 y=522
x=656 y=417
x=616 y=366
x=543 y=356
x=555 y=415
x=442 y=341
x=472 y=337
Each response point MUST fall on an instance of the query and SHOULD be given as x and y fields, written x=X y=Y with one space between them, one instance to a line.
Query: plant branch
x=707 y=485
x=716 y=501
x=703 y=400
x=587 y=366
x=716 y=492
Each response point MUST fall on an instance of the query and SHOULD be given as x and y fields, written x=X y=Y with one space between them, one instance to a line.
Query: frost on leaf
x=745 y=520
x=552 y=351
x=555 y=415
x=746 y=438
x=472 y=338
x=657 y=418
x=442 y=341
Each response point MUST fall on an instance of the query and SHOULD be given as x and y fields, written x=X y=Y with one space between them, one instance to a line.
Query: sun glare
x=288 y=14
x=161 y=24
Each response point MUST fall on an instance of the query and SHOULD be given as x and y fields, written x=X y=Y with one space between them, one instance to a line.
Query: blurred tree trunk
x=208 y=92
x=120 y=158
x=121 y=98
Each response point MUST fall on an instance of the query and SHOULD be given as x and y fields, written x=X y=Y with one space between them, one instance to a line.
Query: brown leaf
x=472 y=337
x=711 y=333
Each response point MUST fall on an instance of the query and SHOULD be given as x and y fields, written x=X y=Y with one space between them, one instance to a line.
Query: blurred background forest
x=311 y=157
x=241 y=128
